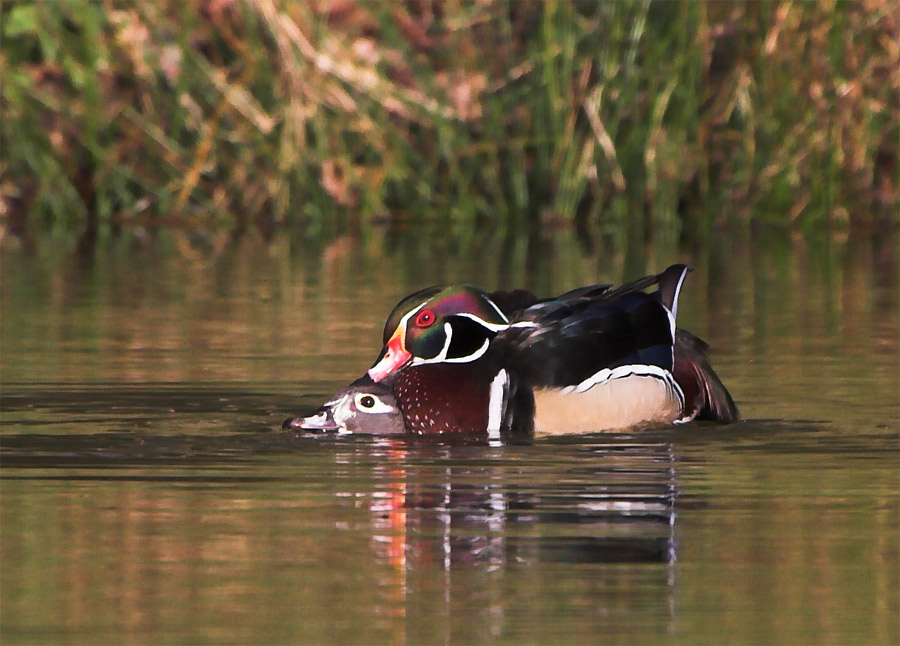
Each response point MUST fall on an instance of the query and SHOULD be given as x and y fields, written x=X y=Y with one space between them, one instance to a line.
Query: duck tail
x=705 y=396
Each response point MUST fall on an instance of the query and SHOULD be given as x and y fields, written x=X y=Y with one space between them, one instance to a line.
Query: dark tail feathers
x=705 y=395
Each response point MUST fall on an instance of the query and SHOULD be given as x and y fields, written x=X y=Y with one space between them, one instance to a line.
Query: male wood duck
x=595 y=358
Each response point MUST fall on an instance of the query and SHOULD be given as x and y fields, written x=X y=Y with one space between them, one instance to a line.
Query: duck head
x=438 y=325
x=362 y=407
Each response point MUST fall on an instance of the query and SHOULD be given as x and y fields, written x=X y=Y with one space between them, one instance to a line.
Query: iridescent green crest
x=425 y=315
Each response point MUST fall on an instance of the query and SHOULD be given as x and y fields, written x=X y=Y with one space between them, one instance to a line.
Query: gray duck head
x=363 y=407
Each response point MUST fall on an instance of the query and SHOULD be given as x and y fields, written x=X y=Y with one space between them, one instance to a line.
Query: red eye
x=425 y=318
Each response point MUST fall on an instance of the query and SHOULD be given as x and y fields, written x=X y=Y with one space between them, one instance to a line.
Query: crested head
x=438 y=325
x=409 y=303
x=445 y=300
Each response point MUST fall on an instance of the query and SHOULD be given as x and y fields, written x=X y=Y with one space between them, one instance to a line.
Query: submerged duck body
x=457 y=359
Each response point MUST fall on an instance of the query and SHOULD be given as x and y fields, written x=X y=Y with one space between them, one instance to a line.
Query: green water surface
x=148 y=494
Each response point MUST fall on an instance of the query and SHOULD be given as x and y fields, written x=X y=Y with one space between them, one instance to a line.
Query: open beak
x=395 y=357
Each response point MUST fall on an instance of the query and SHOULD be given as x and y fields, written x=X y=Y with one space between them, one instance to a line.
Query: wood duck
x=595 y=358
x=362 y=407
x=369 y=408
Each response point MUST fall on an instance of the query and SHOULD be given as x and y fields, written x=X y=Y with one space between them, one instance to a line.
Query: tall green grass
x=331 y=115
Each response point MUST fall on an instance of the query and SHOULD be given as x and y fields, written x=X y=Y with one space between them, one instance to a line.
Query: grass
x=335 y=115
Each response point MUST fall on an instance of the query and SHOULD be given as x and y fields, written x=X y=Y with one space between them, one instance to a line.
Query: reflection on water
x=618 y=510
x=148 y=494
x=426 y=532
x=321 y=538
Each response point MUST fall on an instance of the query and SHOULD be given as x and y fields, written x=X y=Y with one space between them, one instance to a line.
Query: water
x=148 y=494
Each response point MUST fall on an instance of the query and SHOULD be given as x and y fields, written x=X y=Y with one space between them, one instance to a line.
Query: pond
x=148 y=493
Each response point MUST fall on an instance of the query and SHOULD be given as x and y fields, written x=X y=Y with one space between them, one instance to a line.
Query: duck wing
x=564 y=341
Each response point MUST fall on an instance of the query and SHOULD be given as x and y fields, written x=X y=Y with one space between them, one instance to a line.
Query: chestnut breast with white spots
x=443 y=398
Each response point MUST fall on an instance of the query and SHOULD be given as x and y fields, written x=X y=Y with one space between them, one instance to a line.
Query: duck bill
x=395 y=357
x=323 y=421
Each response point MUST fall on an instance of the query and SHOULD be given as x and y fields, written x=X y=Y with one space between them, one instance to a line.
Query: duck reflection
x=487 y=533
x=618 y=510
x=454 y=521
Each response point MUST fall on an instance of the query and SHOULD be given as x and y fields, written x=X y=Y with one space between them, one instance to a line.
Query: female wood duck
x=362 y=407
x=596 y=358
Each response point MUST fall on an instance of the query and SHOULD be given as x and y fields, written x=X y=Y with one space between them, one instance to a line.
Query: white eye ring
x=373 y=406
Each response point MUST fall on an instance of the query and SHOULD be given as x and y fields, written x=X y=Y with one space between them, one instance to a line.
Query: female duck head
x=362 y=407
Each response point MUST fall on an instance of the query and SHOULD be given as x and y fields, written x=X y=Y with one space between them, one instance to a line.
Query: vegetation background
x=333 y=115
